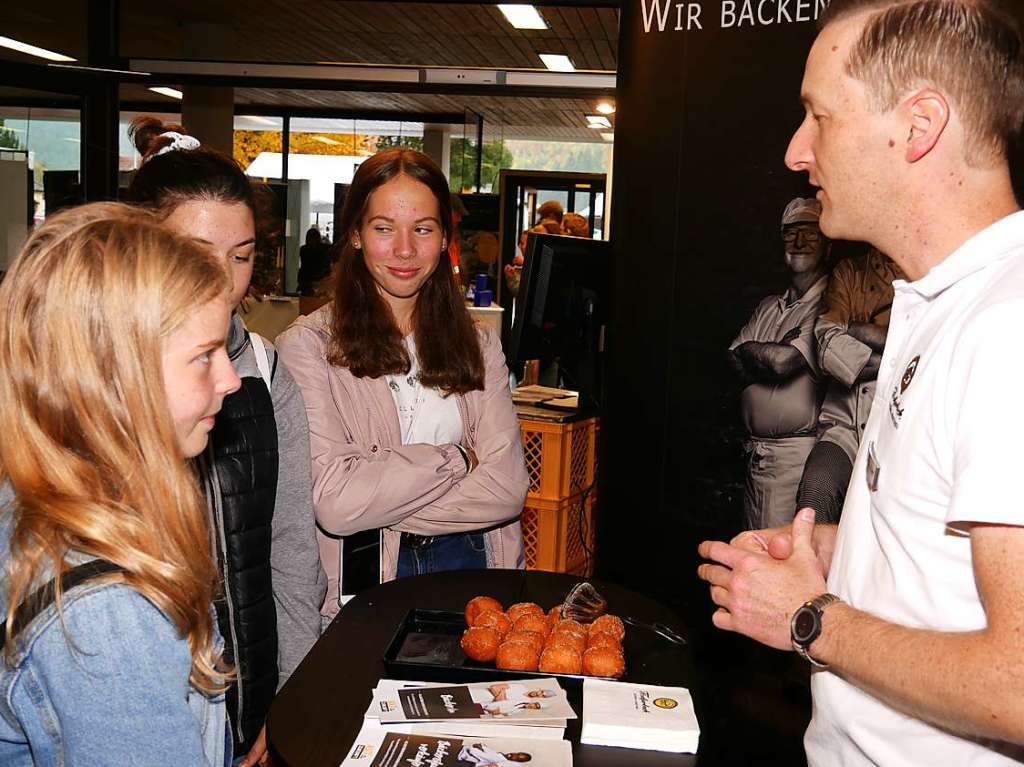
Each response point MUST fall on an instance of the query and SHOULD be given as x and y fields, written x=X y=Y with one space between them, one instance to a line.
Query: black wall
x=699 y=184
x=704 y=118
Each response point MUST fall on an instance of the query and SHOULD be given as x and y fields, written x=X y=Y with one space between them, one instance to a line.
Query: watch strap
x=818 y=605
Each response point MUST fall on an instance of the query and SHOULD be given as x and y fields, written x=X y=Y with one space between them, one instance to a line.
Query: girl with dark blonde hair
x=112 y=350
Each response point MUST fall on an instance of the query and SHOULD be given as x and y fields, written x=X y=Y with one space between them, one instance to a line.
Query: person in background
x=417 y=459
x=911 y=610
x=314 y=262
x=550 y=211
x=775 y=359
x=575 y=225
x=514 y=271
x=112 y=337
x=454 y=247
x=851 y=335
x=255 y=472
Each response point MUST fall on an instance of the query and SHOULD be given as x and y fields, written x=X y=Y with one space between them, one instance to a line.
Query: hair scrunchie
x=178 y=141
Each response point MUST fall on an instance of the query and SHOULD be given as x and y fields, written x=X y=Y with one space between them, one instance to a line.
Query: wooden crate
x=558 y=536
x=560 y=457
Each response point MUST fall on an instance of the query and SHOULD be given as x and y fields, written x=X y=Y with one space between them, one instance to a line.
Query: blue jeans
x=458 y=551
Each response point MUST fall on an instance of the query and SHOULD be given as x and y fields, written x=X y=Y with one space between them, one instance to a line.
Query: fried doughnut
x=477 y=605
x=480 y=643
x=533 y=622
x=568 y=624
x=567 y=639
x=517 y=656
x=520 y=609
x=554 y=615
x=601 y=639
x=559 y=659
x=609 y=624
x=494 y=619
x=602 y=661
x=534 y=638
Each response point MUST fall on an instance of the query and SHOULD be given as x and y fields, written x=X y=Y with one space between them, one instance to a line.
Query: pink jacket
x=365 y=478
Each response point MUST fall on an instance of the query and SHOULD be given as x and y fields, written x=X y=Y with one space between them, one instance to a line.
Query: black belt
x=413 y=541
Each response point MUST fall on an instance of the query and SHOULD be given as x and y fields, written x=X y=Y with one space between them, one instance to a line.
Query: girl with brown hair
x=255 y=472
x=417 y=460
x=112 y=350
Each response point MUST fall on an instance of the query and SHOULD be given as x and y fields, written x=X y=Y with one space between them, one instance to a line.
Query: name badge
x=872 y=468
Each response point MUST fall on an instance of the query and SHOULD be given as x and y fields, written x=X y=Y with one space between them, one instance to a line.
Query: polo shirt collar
x=812 y=293
x=985 y=248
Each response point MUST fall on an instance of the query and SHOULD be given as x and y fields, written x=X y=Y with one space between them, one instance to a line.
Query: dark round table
x=316 y=716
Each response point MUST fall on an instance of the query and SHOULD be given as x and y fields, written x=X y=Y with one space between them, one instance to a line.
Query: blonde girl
x=112 y=366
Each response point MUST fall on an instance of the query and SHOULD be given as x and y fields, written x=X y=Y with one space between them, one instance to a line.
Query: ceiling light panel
x=557 y=62
x=32 y=50
x=169 y=92
x=522 y=16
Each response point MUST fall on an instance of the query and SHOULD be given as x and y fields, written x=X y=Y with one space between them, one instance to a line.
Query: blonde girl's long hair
x=88 y=441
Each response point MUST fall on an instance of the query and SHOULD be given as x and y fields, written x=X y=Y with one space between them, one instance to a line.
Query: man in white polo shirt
x=911 y=107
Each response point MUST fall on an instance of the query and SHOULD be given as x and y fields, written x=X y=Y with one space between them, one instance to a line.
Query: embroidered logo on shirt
x=896 y=403
x=908 y=374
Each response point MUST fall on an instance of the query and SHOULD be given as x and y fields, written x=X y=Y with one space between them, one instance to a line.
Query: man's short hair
x=971 y=50
x=552 y=209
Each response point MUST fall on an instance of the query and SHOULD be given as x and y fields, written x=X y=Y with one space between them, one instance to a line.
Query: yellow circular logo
x=665 y=702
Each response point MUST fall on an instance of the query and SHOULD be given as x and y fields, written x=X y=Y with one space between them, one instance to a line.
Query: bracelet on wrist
x=465 y=456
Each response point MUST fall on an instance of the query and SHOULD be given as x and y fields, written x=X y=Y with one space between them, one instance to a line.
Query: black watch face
x=804 y=624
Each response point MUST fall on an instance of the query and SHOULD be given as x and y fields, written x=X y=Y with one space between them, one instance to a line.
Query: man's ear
x=928 y=114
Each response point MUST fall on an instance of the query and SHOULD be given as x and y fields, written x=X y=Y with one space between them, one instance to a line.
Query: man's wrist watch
x=805 y=626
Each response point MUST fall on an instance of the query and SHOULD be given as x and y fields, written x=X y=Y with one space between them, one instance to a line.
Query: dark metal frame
x=93 y=89
x=510 y=186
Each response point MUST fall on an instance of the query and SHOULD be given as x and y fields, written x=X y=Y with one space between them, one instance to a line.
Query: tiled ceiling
x=383 y=33
x=412 y=34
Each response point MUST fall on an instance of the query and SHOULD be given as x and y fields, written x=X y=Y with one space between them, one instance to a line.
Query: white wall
x=13 y=206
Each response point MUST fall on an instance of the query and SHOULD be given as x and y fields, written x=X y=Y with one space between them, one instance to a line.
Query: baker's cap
x=802 y=210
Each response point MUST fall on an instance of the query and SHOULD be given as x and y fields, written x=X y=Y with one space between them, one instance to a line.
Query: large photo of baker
x=806 y=364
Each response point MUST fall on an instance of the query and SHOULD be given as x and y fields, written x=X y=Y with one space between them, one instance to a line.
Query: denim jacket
x=109 y=687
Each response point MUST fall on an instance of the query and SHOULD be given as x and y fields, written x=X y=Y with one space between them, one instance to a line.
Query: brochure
x=511 y=702
x=549 y=729
x=376 y=746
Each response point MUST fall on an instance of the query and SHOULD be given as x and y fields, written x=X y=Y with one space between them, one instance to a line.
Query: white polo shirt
x=945 y=434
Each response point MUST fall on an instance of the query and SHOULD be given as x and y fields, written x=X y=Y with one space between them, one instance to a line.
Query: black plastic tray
x=425 y=648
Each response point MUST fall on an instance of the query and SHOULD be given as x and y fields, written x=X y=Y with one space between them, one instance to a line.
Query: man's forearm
x=870 y=370
x=737 y=367
x=868 y=334
x=959 y=681
x=769 y=361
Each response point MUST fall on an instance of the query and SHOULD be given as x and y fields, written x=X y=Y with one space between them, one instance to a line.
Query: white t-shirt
x=426 y=417
x=944 y=432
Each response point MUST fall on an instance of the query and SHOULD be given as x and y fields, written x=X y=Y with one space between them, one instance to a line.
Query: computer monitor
x=561 y=313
